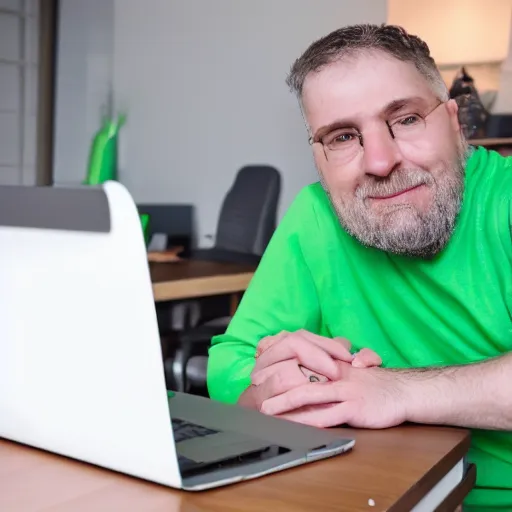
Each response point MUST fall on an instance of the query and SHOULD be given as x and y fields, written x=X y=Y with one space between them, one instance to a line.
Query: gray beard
x=402 y=229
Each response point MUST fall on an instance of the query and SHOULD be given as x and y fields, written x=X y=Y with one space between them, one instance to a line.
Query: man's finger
x=366 y=358
x=278 y=383
x=339 y=348
x=269 y=341
x=346 y=343
x=290 y=365
x=308 y=354
x=321 y=416
x=309 y=394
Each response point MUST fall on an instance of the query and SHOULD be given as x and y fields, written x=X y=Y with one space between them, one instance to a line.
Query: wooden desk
x=190 y=278
x=396 y=468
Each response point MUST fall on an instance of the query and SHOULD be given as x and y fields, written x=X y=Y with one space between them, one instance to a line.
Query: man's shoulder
x=488 y=164
x=488 y=181
x=307 y=215
x=311 y=200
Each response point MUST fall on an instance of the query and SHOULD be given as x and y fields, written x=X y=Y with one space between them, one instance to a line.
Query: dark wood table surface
x=395 y=468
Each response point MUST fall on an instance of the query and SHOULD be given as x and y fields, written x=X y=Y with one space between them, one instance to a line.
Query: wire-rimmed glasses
x=346 y=143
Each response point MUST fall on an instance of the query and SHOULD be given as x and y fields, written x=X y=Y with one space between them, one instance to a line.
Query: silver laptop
x=81 y=370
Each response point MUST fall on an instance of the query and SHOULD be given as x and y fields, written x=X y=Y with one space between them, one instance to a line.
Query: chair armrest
x=192 y=342
x=201 y=334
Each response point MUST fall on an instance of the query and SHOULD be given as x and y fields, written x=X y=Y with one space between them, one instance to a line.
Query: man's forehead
x=361 y=84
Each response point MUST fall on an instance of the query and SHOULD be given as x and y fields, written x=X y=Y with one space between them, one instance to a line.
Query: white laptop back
x=75 y=288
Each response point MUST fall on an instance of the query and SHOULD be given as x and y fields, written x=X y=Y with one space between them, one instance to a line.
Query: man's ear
x=453 y=112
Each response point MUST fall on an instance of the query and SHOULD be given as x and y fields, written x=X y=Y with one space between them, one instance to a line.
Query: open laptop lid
x=81 y=370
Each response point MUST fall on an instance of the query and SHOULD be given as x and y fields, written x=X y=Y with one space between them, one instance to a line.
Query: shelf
x=491 y=141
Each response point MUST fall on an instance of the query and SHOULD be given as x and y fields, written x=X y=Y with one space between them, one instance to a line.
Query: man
x=403 y=250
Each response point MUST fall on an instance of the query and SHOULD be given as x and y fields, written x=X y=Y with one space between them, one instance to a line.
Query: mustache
x=396 y=182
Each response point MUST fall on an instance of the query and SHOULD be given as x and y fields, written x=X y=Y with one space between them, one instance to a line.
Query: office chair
x=247 y=218
x=246 y=223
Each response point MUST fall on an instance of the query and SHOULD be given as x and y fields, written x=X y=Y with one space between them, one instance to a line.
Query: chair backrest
x=249 y=211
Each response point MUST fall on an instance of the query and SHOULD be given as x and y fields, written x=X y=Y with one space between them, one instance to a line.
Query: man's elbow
x=227 y=377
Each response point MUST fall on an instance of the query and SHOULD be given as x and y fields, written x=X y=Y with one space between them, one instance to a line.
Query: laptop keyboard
x=184 y=430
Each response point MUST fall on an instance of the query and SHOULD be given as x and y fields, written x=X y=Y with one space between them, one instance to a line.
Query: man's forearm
x=475 y=395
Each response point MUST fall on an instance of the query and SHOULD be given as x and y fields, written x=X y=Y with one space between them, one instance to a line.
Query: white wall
x=203 y=84
x=19 y=45
x=504 y=100
x=84 y=75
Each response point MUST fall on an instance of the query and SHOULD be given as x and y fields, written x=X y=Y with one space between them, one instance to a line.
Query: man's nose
x=381 y=152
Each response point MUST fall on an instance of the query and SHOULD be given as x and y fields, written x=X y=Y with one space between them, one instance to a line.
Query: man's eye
x=341 y=139
x=410 y=120
x=344 y=137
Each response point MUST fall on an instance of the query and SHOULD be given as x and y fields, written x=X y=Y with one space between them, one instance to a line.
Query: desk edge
x=414 y=495
x=221 y=284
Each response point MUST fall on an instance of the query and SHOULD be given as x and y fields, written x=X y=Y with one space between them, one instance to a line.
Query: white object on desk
x=158 y=242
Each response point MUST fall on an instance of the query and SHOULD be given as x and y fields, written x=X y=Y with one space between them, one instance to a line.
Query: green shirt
x=453 y=309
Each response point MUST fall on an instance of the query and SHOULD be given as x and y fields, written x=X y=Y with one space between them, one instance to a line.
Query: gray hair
x=350 y=40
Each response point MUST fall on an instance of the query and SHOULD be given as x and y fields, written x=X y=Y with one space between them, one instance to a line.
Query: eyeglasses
x=346 y=143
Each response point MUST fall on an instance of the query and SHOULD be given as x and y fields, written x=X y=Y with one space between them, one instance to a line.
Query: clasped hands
x=315 y=380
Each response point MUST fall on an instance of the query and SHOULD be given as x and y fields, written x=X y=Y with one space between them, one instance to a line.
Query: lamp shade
x=457 y=31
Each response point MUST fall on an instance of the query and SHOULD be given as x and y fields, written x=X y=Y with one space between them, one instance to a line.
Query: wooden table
x=191 y=278
x=395 y=468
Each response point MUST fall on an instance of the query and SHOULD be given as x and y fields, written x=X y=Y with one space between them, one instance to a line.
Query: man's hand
x=369 y=398
x=289 y=360
x=474 y=395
